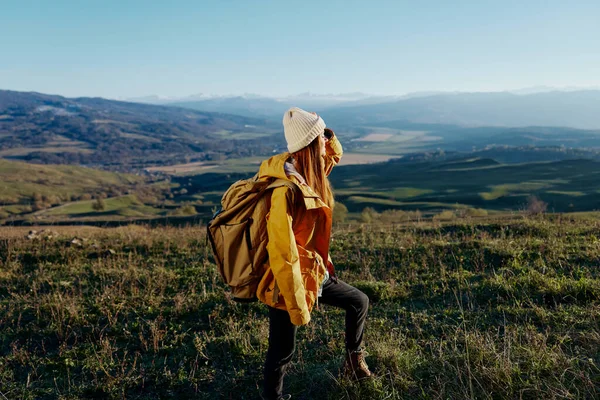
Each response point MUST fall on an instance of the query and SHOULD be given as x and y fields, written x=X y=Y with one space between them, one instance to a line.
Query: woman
x=299 y=273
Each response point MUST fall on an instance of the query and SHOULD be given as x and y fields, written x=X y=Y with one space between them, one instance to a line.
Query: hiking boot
x=355 y=366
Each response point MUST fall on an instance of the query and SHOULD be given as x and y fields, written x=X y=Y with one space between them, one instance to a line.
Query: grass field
x=479 y=309
x=402 y=184
x=434 y=186
x=39 y=190
x=123 y=205
x=19 y=180
x=388 y=141
x=569 y=185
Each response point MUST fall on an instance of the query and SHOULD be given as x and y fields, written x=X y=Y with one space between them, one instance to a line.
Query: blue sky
x=130 y=48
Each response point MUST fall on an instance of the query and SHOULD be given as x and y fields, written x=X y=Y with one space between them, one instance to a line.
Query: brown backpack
x=238 y=234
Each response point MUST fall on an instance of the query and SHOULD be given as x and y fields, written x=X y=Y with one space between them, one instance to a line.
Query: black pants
x=282 y=333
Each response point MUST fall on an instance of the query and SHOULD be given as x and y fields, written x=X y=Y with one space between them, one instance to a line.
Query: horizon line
x=355 y=94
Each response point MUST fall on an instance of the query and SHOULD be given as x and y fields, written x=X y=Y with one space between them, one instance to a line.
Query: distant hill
x=270 y=107
x=535 y=136
x=574 y=108
x=247 y=106
x=94 y=131
x=577 y=109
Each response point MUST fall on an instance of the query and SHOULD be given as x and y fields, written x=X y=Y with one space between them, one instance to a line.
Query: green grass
x=570 y=185
x=389 y=204
x=394 y=194
x=493 y=309
x=123 y=205
x=514 y=188
x=566 y=186
x=16 y=209
x=59 y=191
x=433 y=187
x=20 y=180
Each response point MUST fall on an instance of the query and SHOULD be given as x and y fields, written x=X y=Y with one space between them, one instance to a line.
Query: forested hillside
x=120 y=135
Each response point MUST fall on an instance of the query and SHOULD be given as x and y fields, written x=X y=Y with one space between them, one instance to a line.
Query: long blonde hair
x=311 y=165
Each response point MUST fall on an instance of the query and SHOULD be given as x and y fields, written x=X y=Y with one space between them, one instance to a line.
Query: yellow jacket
x=298 y=231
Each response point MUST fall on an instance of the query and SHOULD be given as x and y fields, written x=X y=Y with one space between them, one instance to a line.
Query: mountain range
x=540 y=106
x=130 y=136
x=576 y=109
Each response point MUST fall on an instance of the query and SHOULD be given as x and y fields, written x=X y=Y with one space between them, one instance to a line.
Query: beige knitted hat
x=301 y=128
